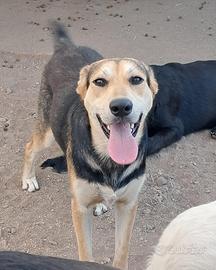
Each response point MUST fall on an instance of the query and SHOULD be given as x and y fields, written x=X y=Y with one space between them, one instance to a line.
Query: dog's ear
x=83 y=82
x=152 y=82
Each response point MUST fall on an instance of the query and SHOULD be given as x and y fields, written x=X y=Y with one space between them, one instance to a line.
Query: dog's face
x=117 y=94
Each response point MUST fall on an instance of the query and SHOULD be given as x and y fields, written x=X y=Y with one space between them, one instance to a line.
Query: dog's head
x=117 y=94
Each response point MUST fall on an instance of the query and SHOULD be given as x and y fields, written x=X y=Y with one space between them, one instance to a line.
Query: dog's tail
x=61 y=37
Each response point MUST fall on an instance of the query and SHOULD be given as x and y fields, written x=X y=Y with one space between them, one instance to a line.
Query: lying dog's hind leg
x=164 y=138
x=213 y=133
x=40 y=140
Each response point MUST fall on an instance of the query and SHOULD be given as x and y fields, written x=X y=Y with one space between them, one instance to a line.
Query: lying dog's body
x=185 y=103
x=188 y=242
x=10 y=260
x=101 y=129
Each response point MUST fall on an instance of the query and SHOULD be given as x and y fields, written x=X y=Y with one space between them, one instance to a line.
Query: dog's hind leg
x=40 y=140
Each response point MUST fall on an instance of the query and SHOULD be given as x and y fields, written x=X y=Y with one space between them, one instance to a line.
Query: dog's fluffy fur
x=75 y=118
x=188 y=242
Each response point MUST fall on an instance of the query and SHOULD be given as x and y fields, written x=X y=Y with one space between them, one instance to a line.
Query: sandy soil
x=179 y=177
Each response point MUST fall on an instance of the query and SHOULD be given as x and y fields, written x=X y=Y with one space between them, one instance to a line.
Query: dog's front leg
x=82 y=221
x=125 y=213
x=125 y=216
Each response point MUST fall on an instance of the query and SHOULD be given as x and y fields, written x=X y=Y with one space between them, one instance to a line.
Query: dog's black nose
x=121 y=107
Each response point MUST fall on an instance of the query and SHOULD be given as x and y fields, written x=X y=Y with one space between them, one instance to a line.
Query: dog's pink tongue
x=122 y=146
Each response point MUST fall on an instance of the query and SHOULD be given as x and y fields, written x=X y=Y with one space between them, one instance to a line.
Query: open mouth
x=106 y=128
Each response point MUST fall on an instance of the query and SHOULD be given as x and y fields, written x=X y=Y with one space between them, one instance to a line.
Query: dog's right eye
x=100 y=82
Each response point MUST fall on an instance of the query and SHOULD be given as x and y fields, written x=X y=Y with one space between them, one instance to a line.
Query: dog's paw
x=100 y=209
x=30 y=184
x=213 y=133
x=57 y=164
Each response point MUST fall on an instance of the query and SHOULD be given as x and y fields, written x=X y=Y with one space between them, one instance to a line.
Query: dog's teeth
x=108 y=127
x=132 y=126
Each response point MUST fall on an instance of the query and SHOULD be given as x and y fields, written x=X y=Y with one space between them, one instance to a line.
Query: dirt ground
x=179 y=177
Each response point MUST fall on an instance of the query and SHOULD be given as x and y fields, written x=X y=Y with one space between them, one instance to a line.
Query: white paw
x=100 y=209
x=30 y=184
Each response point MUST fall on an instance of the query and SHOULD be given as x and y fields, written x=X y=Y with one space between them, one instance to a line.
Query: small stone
x=148 y=23
x=161 y=181
x=194 y=182
x=46 y=28
x=12 y=230
x=58 y=19
x=68 y=25
x=136 y=9
x=69 y=18
x=8 y=91
x=41 y=40
x=11 y=66
x=53 y=243
x=129 y=25
x=106 y=260
x=207 y=191
x=153 y=36
x=146 y=35
x=84 y=28
x=168 y=19
x=147 y=210
x=179 y=17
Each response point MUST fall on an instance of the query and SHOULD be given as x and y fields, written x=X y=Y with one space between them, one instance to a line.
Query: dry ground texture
x=179 y=177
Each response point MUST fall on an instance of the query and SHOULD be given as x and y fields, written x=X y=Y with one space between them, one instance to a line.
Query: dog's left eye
x=100 y=82
x=136 y=80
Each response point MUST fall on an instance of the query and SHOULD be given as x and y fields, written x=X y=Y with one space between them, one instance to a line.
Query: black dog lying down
x=185 y=103
x=22 y=261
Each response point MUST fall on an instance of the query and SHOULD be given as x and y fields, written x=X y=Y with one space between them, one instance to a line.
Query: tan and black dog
x=100 y=126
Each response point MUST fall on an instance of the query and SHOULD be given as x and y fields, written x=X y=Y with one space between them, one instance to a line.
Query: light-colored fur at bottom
x=189 y=241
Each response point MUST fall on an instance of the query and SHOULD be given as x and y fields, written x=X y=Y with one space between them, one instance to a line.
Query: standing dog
x=102 y=131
